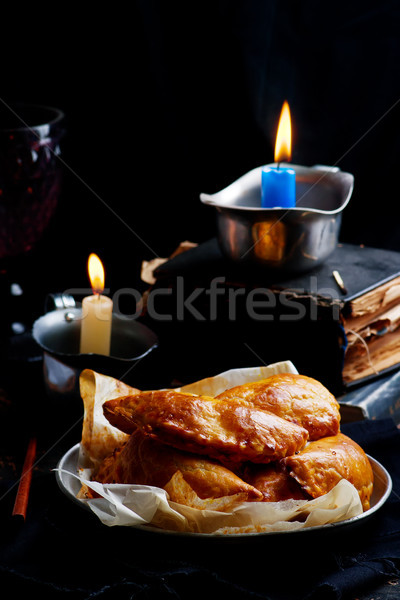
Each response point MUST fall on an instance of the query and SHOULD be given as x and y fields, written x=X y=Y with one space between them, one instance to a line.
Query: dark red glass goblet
x=30 y=184
x=30 y=174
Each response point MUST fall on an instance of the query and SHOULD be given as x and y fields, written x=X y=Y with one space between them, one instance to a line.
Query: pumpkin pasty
x=232 y=431
x=296 y=398
x=145 y=461
x=323 y=463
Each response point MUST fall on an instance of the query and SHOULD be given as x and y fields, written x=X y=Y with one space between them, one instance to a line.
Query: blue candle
x=278 y=187
x=278 y=184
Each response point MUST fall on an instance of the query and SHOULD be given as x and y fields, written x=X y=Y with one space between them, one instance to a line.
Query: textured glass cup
x=30 y=174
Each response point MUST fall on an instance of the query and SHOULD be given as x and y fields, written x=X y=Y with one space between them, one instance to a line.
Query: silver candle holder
x=57 y=332
x=284 y=240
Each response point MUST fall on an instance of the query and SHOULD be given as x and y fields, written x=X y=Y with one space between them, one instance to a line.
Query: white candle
x=96 y=313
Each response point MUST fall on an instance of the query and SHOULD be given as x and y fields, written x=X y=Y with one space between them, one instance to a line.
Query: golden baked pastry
x=323 y=463
x=145 y=461
x=296 y=398
x=232 y=431
x=274 y=482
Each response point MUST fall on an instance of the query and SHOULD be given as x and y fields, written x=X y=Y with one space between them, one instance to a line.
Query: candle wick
x=277 y=166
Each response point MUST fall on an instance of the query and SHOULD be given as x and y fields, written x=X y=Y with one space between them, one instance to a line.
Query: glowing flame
x=96 y=273
x=283 y=144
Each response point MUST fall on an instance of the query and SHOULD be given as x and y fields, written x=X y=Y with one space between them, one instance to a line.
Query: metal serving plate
x=70 y=485
x=291 y=240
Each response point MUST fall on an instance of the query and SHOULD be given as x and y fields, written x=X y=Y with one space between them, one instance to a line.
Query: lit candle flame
x=96 y=273
x=283 y=145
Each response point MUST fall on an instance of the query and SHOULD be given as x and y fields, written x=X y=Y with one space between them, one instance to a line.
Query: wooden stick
x=337 y=277
x=22 y=497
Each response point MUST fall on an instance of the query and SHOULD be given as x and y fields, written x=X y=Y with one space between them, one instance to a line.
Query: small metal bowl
x=291 y=240
x=57 y=332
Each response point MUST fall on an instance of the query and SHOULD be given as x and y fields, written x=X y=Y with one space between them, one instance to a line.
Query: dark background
x=164 y=100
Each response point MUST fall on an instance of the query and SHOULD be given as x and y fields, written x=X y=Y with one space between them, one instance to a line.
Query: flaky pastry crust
x=232 y=431
x=323 y=463
x=271 y=440
x=145 y=461
x=296 y=398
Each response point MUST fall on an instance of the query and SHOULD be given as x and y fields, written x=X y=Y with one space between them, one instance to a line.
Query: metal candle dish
x=58 y=334
x=291 y=240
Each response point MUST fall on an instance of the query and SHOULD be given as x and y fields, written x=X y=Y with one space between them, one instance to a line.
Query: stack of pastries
x=264 y=441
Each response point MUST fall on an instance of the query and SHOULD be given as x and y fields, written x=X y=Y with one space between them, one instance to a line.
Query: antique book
x=339 y=323
x=368 y=307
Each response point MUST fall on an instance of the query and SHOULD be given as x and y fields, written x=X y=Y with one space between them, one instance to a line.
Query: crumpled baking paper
x=99 y=438
x=140 y=505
